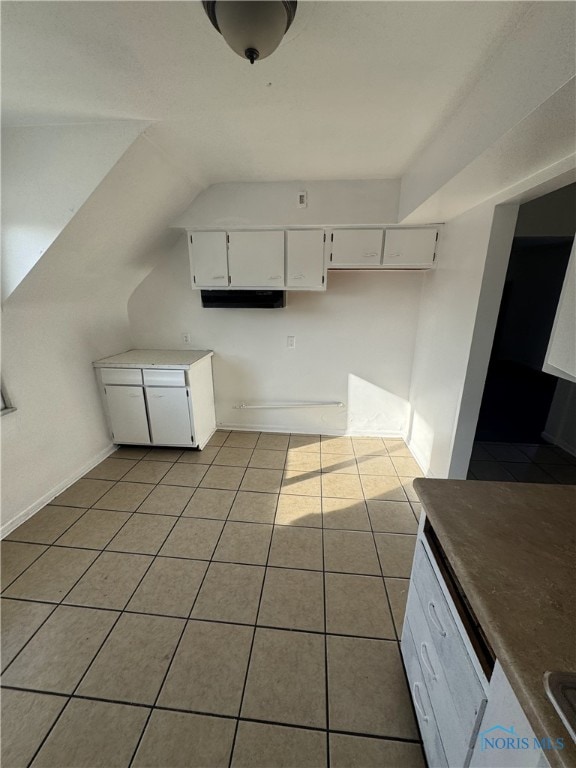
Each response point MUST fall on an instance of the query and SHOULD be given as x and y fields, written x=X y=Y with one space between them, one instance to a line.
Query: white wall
x=68 y=311
x=354 y=344
x=561 y=353
x=448 y=318
x=523 y=71
x=275 y=204
x=48 y=173
x=561 y=425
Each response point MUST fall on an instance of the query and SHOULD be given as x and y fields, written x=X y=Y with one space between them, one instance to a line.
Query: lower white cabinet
x=169 y=415
x=170 y=406
x=127 y=414
x=456 y=706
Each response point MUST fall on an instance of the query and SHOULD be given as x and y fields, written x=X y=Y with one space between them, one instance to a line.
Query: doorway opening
x=526 y=428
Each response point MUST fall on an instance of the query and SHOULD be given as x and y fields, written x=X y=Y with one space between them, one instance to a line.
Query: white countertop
x=154 y=358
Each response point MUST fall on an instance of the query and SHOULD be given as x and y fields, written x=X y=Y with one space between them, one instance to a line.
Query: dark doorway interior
x=520 y=401
x=518 y=394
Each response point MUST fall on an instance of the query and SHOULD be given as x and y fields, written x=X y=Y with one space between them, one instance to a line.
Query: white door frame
x=496 y=266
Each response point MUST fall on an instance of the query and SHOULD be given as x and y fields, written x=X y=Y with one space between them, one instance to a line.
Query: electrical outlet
x=303 y=199
x=187 y=338
x=290 y=342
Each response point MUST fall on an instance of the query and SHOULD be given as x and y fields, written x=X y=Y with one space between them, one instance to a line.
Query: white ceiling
x=354 y=91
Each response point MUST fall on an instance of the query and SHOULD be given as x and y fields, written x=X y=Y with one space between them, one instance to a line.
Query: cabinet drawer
x=132 y=376
x=156 y=377
x=456 y=732
x=433 y=747
x=461 y=678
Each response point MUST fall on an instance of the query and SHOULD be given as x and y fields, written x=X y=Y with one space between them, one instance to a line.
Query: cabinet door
x=256 y=259
x=409 y=247
x=169 y=415
x=127 y=413
x=208 y=259
x=356 y=247
x=202 y=401
x=305 y=259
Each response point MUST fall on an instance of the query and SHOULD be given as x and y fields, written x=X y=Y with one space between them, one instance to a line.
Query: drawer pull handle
x=418 y=702
x=134 y=395
x=218 y=277
x=156 y=395
x=425 y=656
x=435 y=620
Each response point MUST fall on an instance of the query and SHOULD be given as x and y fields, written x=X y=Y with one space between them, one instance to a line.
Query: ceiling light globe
x=252 y=28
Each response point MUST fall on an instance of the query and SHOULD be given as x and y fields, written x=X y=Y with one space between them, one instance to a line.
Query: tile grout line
x=100 y=552
x=4 y=588
x=233 y=746
x=106 y=637
x=164 y=708
x=155 y=485
x=404 y=673
x=61 y=601
x=185 y=625
x=326 y=683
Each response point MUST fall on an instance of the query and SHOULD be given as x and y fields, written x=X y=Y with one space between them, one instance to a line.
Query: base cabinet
x=464 y=718
x=169 y=415
x=155 y=406
x=127 y=414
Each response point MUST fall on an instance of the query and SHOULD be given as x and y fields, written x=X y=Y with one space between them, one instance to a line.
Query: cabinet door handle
x=418 y=701
x=218 y=277
x=297 y=277
x=274 y=277
x=435 y=620
x=370 y=255
x=134 y=395
x=425 y=656
x=155 y=395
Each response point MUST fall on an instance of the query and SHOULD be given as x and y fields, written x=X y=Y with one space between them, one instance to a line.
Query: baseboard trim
x=560 y=443
x=418 y=458
x=27 y=513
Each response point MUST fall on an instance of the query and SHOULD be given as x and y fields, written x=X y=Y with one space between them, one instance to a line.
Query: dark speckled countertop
x=512 y=547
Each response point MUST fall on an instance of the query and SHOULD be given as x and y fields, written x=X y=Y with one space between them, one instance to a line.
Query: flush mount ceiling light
x=253 y=29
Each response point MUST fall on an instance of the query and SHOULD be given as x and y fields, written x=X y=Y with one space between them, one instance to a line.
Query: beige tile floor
x=236 y=606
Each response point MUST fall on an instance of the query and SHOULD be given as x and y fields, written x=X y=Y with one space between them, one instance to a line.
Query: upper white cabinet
x=297 y=259
x=409 y=248
x=208 y=259
x=356 y=248
x=256 y=259
x=305 y=259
